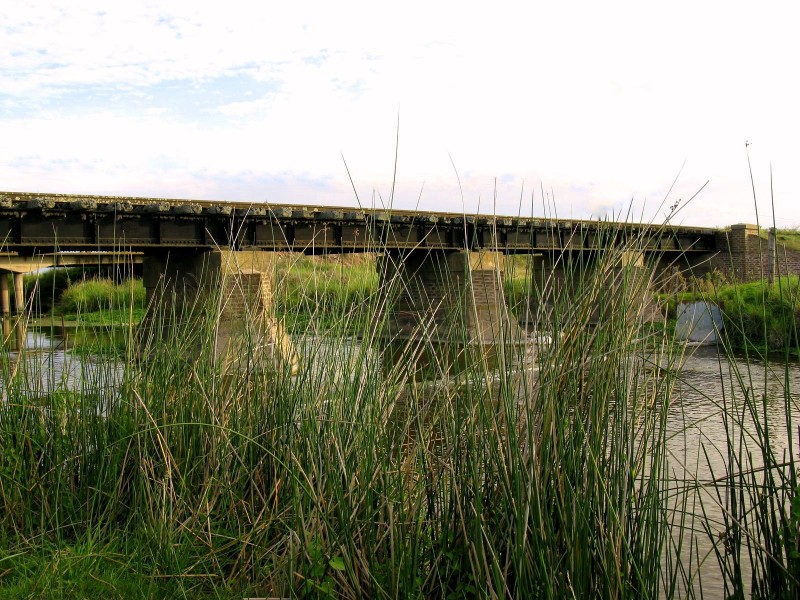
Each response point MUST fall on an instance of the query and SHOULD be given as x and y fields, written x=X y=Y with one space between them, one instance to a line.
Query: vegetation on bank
x=525 y=474
x=790 y=238
x=758 y=316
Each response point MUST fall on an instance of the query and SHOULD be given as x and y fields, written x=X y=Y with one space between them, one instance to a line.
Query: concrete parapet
x=227 y=295
x=441 y=305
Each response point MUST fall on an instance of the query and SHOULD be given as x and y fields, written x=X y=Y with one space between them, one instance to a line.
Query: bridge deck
x=35 y=222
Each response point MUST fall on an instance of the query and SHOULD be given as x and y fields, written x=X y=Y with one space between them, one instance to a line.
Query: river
x=708 y=387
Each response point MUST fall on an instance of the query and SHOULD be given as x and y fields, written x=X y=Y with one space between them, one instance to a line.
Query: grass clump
x=788 y=237
x=95 y=295
x=757 y=315
x=760 y=314
x=318 y=291
x=46 y=287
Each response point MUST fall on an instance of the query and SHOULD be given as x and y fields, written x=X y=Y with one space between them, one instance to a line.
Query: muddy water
x=708 y=409
x=47 y=364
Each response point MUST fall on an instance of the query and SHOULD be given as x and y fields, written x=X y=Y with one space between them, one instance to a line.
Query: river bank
x=758 y=317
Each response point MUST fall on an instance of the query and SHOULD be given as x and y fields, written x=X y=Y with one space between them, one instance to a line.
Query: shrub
x=102 y=294
x=761 y=314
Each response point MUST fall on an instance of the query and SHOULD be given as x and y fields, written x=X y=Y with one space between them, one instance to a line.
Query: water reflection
x=46 y=363
x=708 y=409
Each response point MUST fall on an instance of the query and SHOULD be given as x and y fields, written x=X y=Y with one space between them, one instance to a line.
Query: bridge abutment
x=442 y=306
x=221 y=297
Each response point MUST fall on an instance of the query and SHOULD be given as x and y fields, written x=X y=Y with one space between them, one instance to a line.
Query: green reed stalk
x=534 y=472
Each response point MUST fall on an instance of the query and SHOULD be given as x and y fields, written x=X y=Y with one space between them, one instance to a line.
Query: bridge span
x=432 y=260
x=31 y=222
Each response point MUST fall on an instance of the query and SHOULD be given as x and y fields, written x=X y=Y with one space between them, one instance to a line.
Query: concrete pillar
x=442 y=306
x=15 y=326
x=19 y=293
x=5 y=308
x=224 y=294
x=5 y=294
x=554 y=279
x=625 y=285
x=587 y=286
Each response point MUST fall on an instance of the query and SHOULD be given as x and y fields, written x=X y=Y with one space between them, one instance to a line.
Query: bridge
x=36 y=223
x=190 y=245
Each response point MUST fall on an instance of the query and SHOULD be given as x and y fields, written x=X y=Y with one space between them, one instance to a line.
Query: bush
x=102 y=294
x=49 y=285
x=761 y=314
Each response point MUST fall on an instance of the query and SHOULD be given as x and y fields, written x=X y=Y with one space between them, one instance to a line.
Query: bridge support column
x=626 y=284
x=5 y=294
x=15 y=326
x=19 y=293
x=553 y=278
x=588 y=286
x=21 y=325
x=443 y=307
x=5 y=307
x=226 y=295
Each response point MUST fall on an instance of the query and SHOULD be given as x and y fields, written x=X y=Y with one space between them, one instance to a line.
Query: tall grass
x=93 y=295
x=756 y=541
x=544 y=474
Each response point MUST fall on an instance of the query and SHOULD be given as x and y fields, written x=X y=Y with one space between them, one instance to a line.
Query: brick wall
x=743 y=255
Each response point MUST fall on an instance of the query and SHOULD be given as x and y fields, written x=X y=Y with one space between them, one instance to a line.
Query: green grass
x=352 y=478
x=311 y=292
x=790 y=238
x=758 y=315
x=95 y=295
x=46 y=287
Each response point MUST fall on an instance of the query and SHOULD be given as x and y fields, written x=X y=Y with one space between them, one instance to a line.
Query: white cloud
x=600 y=104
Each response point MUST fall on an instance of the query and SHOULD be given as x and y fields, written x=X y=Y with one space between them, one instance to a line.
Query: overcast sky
x=573 y=109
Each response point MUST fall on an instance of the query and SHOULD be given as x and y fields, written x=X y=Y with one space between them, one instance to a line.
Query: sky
x=645 y=111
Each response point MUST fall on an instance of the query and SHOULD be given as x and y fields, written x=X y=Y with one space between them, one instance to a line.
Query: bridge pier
x=587 y=285
x=225 y=294
x=15 y=325
x=5 y=308
x=442 y=307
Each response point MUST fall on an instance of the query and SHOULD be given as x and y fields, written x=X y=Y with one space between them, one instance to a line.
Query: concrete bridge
x=191 y=245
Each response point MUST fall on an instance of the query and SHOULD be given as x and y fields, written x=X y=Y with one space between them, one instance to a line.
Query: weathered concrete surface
x=13 y=328
x=443 y=306
x=589 y=286
x=223 y=293
x=698 y=322
x=41 y=222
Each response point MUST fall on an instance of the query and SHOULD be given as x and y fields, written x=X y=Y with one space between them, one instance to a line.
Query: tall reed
x=540 y=473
